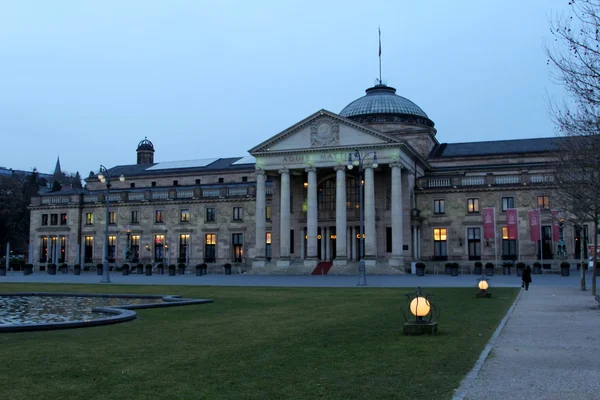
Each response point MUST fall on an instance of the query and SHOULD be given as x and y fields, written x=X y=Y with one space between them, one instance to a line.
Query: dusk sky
x=87 y=80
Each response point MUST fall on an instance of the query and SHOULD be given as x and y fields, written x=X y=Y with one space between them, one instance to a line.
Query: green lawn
x=254 y=343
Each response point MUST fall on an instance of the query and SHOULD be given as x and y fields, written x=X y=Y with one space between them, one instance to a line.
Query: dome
x=145 y=145
x=382 y=104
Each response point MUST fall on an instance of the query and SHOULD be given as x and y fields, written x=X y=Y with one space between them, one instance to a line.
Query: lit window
x=185 y=215
x=473 y=205
x=89 y=218
x=159 y=216
x=543 y=202
x=508 y=202
x=112 y=217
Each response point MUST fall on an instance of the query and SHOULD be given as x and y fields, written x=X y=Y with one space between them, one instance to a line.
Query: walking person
x=526 y=277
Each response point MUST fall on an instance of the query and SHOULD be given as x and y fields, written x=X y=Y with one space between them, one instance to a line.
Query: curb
x=472 y=375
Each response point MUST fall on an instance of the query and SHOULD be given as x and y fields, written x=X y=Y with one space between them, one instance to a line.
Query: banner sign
x=555 y=228
x=512 y=223
x=534 y=225
x=489 y=223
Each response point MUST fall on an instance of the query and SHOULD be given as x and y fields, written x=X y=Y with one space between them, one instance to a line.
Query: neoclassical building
x=294 y=202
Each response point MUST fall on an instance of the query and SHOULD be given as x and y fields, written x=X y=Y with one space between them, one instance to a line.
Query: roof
x=495 y=147
x=382 y=99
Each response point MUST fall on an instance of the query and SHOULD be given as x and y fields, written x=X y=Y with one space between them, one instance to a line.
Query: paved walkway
x=547 y=280
x=549 y=349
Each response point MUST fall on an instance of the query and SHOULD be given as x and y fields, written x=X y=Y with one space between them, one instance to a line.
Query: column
x=370 y=234
x=353 y=241
x=261 y=220
x=284 y=222
x=340 y=215
x=397 y=259
x=328 y=243
x=348 y=243
x=323 y=248
x=303 y=244
x=312 y=214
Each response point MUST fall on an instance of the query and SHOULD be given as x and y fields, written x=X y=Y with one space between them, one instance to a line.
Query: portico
x=317 y=203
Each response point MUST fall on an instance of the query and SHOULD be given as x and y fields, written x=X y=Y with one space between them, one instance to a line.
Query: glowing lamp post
x=105 y=175
x=420 y=314
x=483 y=286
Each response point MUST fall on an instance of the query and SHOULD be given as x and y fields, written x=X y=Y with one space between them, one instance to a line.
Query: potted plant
x=64 y=268
x=447 y=268
x=204 y=268
x=489 y=269
x=454 y=269
x=51 y=269
x=3 y=270
x=77 y=269
x=160 y=269
x=227 y=268
x=477 y=268
x=420 y=267
x=199 y=270
x=506 y=266
x=565 y=268
x=99 y=269
x=520 y=268
x=181 y=269
x=27 y=269
x=125 y=269
x=172 y=270
x=148 y=269
x=537 y=267
x=139 y=269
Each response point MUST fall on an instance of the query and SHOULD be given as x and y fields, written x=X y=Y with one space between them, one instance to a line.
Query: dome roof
x=145 y=145
x=382 y=100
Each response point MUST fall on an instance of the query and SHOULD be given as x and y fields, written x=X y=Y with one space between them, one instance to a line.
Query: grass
x=254 y=343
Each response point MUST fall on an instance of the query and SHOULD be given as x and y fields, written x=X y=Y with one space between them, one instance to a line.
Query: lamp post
x=562 y=250
x=104 y=175
x=358 y=162
x=128 y=244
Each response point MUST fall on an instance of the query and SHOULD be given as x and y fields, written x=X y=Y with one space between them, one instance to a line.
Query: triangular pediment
x=323 y=129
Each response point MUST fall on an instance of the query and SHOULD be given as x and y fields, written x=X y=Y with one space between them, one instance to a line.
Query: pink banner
x=534 y=225
x=489 y=223
x=512 y=223
x=555 y=228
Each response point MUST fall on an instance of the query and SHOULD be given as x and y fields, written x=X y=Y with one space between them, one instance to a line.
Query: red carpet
x=323 y=268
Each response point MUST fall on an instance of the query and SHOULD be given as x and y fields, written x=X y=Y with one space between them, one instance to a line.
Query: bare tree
x=574 y=56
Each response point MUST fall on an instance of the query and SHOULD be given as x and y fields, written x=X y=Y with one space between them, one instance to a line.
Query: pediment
x=321 y=130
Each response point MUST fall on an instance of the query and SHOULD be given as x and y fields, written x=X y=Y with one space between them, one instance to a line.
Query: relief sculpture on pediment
x=324 y=132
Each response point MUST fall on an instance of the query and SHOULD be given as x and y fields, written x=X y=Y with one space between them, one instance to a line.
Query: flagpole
x=519 y=235
x=495 y=238
x=380 y=82
x=541 y=238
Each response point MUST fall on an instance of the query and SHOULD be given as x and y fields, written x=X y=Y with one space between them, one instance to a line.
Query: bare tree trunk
x=594 y=258
x=584 y=263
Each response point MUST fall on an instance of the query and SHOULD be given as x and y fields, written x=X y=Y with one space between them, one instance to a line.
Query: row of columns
x=342 y=251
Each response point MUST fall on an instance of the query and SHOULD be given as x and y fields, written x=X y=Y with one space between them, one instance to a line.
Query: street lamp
x=358 y=162
x=104 y=175
x=128 y=244
x=562 y=249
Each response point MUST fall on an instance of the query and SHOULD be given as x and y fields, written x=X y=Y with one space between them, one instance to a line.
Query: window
x=237 y=239
x=44 y=249
x=325 y=195
x=237 y=213
x=509 y=246
x=135 y=217
x=220 y=180
x=184 y=242
x=388 y=239
x=184 y=215
x=210 y=215
x=197 y=181
x=159 y=216
x=472 y=206
x=89 y=218
x=543 y=202
x=508 y=202
x=159 y=247
x=439 y=206
x=244 y=179
x=63 y=219
x=112 y=248
x=135 y=247
x=153 y=184
x=44 y=219
x=268 y=245
x=175 y=183
x=63 y=250
x=132 y=185
x=210 y=244
x=439 y=244
x=112 y=217
x=546 y=243
x=88 y=252
x=474 y=243
x=52 y=257
x=268 y=213
x=291 y=241
x=53 y=219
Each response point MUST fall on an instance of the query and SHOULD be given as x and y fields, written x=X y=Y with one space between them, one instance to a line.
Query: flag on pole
x=534 y=225
x=512 y=223
x=379 y=42
x=489 y=223
x=555 y=228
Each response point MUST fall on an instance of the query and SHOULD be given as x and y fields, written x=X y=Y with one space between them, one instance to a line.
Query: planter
x=172 y=271
x=198 y=270
x=51 y=269
x=2 y=271
x=139 y=269
x=125 y=271
x=520 y=268
x=181 y=269
x=565 y=269
x=160 y=269
x=454 y=269
x=537 y=268
x=420 y=268
x=27 y=269
x=99 y=271
x=77 y=271
x=477 y=268
x=505 y=270
x=148 y=270
x=489 y=269
x=447 y=269
x=227 y=268
x=64 y=268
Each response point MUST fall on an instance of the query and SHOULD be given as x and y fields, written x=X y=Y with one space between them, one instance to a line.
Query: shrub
x=489 y=265
x=148 y=266
x=98 y=266
x=180 y=265
x=454 y=265
x=565 y=264
x=160 y=265
x=125 y=266
x=520 y=265
x=478 y=264
x=537 y=264
x=420 y=264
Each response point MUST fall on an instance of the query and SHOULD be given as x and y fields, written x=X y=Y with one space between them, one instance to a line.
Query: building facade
x=294 y=202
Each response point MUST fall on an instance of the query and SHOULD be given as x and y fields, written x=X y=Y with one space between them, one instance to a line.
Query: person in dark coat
x=526 y=277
